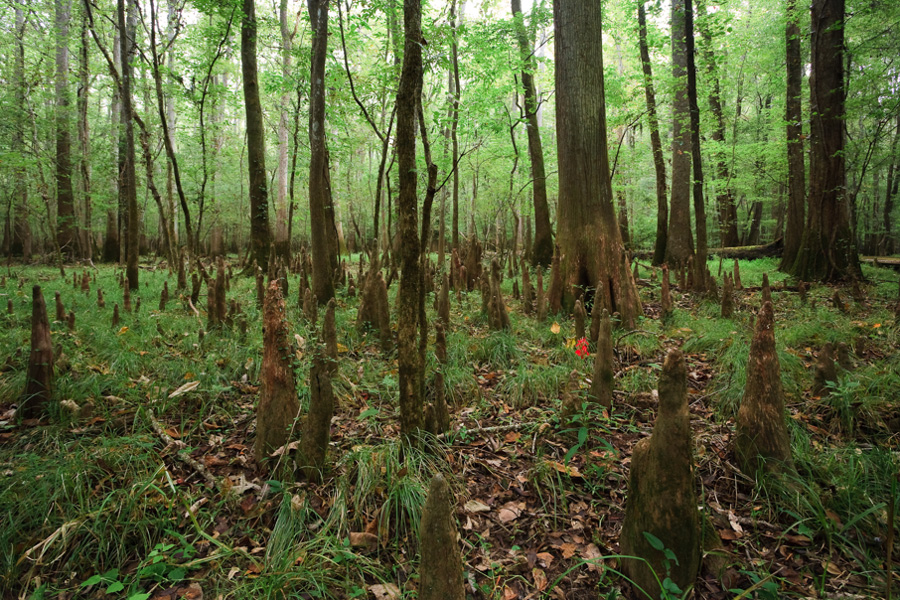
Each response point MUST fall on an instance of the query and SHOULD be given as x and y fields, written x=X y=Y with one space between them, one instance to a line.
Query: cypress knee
x=665 y=294
x=761 y=436
x=278 y=405
x=555 y=293
x=164 y=296
x=825 y=371
x=101 y=303
x=317 y=423
x=541 y=303
x=604 y=372
x=60 y=309
x=661 y=497
x=441 y=568
x=39 y=376
x=580 y=317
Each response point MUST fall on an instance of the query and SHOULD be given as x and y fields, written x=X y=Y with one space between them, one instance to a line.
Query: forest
x=449 y=299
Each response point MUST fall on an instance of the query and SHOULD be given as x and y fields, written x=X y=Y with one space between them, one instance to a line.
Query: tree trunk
x=827 y=251
x=282 y=243
x=542 y=251
x=170 y=118
x=256 y=141
x=887 y=241
x=66 y=226
x=454 y=126
x=588 y=234
x=727 y=212
x=696 y=162
x=411 y=408
x=84 y=84
x=127 y=179
x=319 y=193
x=794 y=118
x=662 y=201
x=21 y=238
x=680 y=242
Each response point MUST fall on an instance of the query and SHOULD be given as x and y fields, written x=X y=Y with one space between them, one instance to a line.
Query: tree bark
x=827 y=250
x=84 y=84
x=256 y=141
x=887 y=239
x=696 y=162
x=127 y=178
x=680 y=242
x=21 y=242
x=454 y=127
x=319 y=191
x=282 y=243
x=662 y=200
x=66 y=226
x=588 y=234
x=542 y=251
x=793 y=115
x=411 y=408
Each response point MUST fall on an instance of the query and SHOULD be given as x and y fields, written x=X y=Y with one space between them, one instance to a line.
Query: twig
x=183 y=457
x=493 y=429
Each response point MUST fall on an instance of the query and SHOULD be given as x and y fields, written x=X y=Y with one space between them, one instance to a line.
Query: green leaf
x=139 y=596
x=654 y=541
x=92 y=580
x=117 y=586
x=177 y=574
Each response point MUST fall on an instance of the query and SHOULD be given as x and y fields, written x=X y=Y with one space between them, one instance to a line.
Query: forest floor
x=97 y=503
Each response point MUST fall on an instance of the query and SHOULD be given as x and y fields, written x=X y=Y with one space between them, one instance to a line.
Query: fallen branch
x=183 y=457
x=492 y=429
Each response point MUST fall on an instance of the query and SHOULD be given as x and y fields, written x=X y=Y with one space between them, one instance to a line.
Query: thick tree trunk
x=127 y=178
x=319 y=187
x=827 y=251
x=256 y=141
x=66 y=226
x=662 y=200
x=588 y=234
x=886 y=246
x=794 y=117
x=542 y=251
x=411 y=407
x=84 y=84
x=680 y=242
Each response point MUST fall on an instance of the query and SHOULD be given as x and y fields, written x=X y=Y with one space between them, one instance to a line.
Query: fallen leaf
x=476 y=506
x=362 y=539
x=509 y=594
x=570 y=470
x=184 y=389
x=385 y=591
x=554 y=329
x=568 y=550
x=510 y=512
x=540 y=579
x=590 y=554
x=512 y=436
x=546 y=559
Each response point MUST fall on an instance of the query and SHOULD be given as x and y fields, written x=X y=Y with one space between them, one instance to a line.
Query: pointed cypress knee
x=665 y=294
x=316 y=430
x=555 y=293
x=761 y=435
x=60 y=309
x=164 y=296
x=766 y=290
x=826 y=372
x=737 y=276
x=580 y=318
x=101 y=303
x=278 y=405
x=603 y=376
x=727 y=297
x=661 y=497
x=39 y=377
x=441 y=568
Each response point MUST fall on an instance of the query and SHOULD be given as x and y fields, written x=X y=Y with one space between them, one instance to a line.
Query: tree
x=827 y=251
x=593 y=256
x=696 y=162
x=256 y=141
x=324 y=252
x=282 y=243
x=21 y=234
x=65 y=199
x=409 y=366
x=680 y=242
x=542 y=247
x=659 y=165
x=794 y=119
x=454 y=126
x=127 y=178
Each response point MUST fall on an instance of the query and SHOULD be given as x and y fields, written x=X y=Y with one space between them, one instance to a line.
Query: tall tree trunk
x=542 y=251
x=827 y=250
x=680 y=242
x=65 y=200
x=593 y=256
x=696 y=162
x=282 y=243
x=84 y=84
x=111 y=239
x=170 y=118
x=21 y=242
x=794 y=117
x=256 y=141
x=662 y=200
x=886 y=246
x=454 y=127
x=319 y=186
x=409 y=365
x=127 y=179
x=727 y=212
